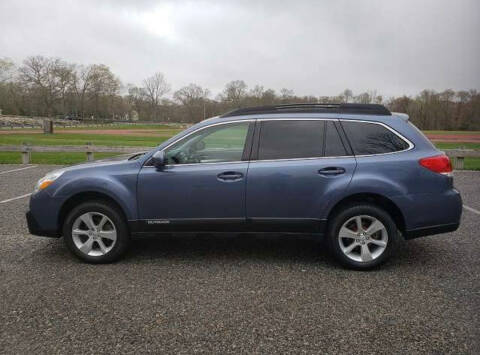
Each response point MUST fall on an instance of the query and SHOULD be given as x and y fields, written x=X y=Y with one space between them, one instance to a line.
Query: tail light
x=438 y=164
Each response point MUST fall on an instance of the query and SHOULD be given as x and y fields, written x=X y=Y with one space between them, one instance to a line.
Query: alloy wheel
x=94 y=234
x=363 y=238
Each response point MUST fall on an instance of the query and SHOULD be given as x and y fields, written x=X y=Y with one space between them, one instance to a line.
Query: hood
x=116 y=160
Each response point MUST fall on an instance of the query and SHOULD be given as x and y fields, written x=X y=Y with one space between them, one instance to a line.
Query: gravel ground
x=235 y=294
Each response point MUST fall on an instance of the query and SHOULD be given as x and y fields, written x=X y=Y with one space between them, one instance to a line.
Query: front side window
x=291 y=139
x=371 y=138
x=220 y=143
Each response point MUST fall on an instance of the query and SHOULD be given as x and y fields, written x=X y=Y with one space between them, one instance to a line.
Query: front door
x=297 y=167
x=202 y=187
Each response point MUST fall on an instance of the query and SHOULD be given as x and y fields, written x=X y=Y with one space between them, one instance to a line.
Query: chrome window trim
x=410 y=144
x=298 y=119
x=294 y=159
x=190 y=164
x=198 y=130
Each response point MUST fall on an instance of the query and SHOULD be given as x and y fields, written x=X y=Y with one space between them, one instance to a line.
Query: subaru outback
x=356 y=175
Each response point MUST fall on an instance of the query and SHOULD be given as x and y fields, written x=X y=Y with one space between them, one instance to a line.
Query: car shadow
x=253 y=247
x=256 y=248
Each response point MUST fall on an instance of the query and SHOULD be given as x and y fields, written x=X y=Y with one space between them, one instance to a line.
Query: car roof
x=340 y=108
x=366 y=112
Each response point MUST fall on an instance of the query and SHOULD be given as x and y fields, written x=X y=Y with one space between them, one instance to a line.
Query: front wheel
x=362 y=237
x=96 y=232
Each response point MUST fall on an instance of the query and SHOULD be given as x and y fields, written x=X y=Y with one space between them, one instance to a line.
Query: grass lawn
x=83 y=138
x=472 y=163
x=51 y=158
x=457 y=145
x=153 y=127
x=64 y=136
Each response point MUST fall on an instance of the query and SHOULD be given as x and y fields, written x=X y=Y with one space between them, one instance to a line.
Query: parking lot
x=235 y=293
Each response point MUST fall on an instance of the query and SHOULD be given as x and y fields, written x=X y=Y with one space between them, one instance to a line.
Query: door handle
x=230 y=176
x=331 y=170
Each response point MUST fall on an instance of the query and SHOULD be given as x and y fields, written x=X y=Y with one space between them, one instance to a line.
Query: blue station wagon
x=356 y=175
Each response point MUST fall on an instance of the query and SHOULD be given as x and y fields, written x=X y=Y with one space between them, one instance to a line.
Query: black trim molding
x=432 y=230
x=286 y=225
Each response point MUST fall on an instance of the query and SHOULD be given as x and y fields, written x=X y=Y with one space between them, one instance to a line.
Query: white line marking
x=471 y=209
x=15 y=198
x=11 y=171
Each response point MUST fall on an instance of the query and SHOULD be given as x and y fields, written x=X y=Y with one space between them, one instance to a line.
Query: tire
x=359 y=249
x=108 y=238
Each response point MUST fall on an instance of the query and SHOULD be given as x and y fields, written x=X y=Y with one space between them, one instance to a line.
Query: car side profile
x=357 y=175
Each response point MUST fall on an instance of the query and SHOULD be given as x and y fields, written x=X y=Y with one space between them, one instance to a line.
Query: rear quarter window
x=371 y=138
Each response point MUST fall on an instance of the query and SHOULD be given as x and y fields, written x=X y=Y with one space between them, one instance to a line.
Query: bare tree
x=83 y=81
x=45 y=78
x=50 y=86
x=103 y=89
x=286 y=95
x=193 y=98
x=7 y=70
x=348 y=95
x=154 y=88
x=234 y=92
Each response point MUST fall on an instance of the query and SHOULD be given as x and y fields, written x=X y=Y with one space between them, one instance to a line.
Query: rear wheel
x=96 y=232
x=362 y=237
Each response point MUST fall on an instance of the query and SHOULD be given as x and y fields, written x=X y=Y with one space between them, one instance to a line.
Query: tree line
x=42 y=86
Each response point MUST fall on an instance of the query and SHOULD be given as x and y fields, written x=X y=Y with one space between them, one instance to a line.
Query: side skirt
x=254 y=225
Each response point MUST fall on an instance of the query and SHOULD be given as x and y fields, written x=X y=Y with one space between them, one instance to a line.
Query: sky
x=312 y=47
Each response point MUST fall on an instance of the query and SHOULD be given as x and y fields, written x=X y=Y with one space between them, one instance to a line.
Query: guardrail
x=89 y=149
x=457 y=155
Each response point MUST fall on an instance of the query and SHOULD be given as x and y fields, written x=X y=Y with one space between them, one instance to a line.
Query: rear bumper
x=429 y=214
x=423 y=232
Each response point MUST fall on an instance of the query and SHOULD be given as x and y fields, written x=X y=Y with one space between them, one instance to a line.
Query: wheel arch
x=376 y=199
x=85 y=196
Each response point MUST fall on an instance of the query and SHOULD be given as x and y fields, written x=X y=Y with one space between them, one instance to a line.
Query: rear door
x=297 y=167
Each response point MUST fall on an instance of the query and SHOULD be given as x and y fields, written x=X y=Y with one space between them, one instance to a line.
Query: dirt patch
x=466 y=138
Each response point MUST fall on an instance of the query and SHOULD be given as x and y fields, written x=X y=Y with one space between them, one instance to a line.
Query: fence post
x=47 y=126
x=90 y=156
x=458 y=163
x=26 y=154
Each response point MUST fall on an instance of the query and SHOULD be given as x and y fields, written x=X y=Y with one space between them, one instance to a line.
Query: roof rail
x=358 y=109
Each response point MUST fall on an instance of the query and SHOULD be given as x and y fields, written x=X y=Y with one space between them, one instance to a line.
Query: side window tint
x=221 y=143
x=333 y=144
x=291 y=139
x=370 y=138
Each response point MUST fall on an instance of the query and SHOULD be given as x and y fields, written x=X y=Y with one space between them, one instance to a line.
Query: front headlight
x=47 y=180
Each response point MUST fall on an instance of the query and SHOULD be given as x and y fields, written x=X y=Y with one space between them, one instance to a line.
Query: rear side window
x=371 y=138
x=333 y=144
x=291 y=139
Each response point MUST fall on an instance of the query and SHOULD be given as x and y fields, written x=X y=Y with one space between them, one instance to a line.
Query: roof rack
x=356 y=109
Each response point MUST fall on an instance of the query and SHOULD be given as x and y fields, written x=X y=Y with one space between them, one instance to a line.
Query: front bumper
x=35 y=229
x=43 y=215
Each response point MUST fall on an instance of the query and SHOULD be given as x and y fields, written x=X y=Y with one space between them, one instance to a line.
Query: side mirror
x=159 y=160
